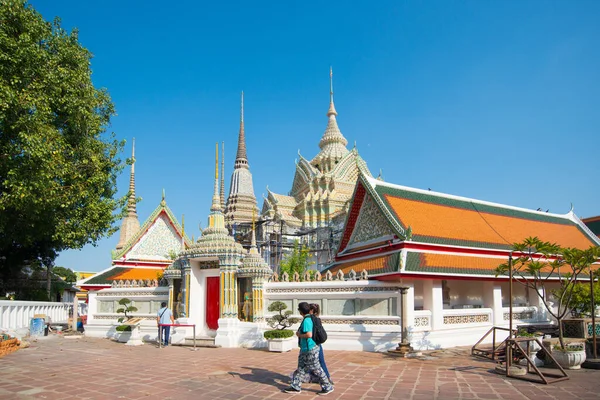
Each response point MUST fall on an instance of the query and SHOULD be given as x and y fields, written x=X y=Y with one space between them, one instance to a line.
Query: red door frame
x=212 y=302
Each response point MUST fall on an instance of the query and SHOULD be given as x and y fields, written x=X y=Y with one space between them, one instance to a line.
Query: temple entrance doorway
x=245 y=295
x=212 y=302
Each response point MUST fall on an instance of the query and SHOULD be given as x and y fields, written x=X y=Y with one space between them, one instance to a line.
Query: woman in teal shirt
x=308 y=359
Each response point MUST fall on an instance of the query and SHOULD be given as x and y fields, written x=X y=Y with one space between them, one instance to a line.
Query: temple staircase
x=201 y=341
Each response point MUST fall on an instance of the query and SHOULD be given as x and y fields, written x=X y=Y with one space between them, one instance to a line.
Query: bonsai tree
x=127 y=308
x=280 y=321
x=537 y=261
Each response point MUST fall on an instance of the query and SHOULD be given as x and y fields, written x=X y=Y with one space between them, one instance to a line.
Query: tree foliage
x=536 y=261
x=58 y=166
x=65 y=273
x=296 y=261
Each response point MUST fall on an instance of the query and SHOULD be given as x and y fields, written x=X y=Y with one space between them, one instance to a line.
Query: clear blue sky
x=496 y=100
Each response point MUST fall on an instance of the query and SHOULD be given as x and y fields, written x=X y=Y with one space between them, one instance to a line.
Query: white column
x=92 y=305
x=434 y=302
x=535 y=300
x=492 y=298
x=409 y=307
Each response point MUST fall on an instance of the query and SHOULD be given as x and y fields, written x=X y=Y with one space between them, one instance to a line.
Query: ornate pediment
x=371 y=223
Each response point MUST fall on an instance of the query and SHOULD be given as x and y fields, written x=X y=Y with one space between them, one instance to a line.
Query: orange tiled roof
x=436 y=218
x=124 y=273
x=457 y=264
x=375 y=265
x=137 y=273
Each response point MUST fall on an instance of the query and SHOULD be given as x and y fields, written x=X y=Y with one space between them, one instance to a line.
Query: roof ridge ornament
x=331 y=110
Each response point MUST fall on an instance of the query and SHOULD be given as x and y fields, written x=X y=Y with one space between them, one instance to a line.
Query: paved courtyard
x=86 y=368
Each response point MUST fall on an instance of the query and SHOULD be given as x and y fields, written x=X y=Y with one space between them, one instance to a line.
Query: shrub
x=279 y=334
x=123 y=328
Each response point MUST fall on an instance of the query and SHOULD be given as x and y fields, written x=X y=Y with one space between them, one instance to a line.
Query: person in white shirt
x=164 y=316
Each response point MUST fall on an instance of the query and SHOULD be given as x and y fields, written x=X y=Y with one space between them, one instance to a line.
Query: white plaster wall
x=465 y=293
x=521 y=297
x=197 y=310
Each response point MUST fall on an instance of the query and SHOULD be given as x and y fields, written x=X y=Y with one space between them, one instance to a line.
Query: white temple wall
x=103 y=304
x=357 y=315
x=197 y=310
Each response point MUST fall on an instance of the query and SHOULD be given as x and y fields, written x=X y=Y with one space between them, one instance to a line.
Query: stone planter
x=569 y=359
x=282 y=345
x=122 y=337
x=534 y=347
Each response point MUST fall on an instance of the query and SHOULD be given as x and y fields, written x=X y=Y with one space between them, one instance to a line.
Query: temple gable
x=371 y=224
x=159 y=240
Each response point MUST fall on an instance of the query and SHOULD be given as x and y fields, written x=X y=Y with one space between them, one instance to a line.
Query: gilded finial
x=217 y=160
x=242 y=108
x=331 y=84
x=163 y=202
x=331 y=111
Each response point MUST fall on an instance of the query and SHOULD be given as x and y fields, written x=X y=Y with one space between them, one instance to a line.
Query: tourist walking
x=315 y=311
x=164 y=316
x=308 y=359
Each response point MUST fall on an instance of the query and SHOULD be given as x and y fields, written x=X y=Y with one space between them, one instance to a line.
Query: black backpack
x=318 y=334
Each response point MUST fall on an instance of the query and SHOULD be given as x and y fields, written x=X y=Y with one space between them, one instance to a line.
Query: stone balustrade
x=17 y=314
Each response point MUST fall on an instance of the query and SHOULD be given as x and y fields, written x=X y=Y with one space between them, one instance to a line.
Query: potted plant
x=280 y=338
x=534 y=347
x=123 y=332
x=571 y=356
x=534 y=264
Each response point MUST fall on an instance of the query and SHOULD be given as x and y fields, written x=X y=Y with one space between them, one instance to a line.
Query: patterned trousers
x=308 y=363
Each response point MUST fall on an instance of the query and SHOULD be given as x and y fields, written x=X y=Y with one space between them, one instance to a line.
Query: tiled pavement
x=86 y=368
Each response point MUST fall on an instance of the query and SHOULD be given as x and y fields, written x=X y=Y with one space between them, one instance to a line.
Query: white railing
x=522 y=314
x=422 y=320
x=467 y=317
x=17 y=314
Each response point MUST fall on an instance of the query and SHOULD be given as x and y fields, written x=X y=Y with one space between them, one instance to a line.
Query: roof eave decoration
x=162 y=207
x=403 y=234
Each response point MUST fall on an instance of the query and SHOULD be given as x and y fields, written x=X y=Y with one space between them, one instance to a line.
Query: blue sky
x=495 y=100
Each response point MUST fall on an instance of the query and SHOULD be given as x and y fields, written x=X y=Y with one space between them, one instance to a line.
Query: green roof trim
x=594 y=226
x=103 y=278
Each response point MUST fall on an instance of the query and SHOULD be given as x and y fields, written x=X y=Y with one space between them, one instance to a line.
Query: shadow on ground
x=260 y=375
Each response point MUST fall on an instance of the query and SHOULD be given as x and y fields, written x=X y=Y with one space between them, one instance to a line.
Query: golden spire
x=241 y=159
x=216 y=202
x=182 y=231
x=222 y=194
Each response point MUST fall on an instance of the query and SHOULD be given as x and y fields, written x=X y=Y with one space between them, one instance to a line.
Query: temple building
x=241 y=202
x=320 y=194
x=143 y=252
x=217 y=284
x=444 y=250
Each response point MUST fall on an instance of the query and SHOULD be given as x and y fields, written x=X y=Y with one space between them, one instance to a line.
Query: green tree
x=58 y=165
x=296 y=261
x=537 y=261
x=65 y=273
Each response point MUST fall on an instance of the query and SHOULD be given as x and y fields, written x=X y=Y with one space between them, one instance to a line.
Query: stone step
x=201 y=341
